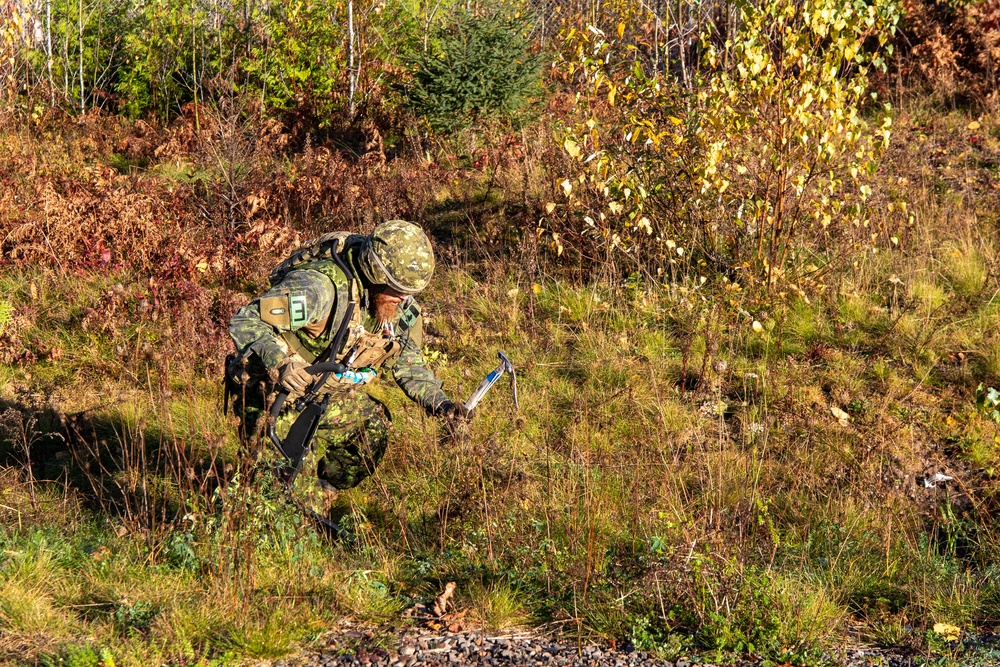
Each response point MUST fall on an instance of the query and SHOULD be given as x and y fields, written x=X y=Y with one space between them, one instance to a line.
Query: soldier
x=345 y=298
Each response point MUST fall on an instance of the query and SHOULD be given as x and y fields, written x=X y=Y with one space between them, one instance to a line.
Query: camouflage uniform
x=312 y=302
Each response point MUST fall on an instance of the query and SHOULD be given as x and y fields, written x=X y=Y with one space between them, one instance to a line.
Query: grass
x=674 y=477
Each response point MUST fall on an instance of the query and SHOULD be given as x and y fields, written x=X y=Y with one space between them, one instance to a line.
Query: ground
x=701 y=472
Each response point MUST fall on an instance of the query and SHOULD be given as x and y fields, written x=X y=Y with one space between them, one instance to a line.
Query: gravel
x=474 y=648
x=352 y=648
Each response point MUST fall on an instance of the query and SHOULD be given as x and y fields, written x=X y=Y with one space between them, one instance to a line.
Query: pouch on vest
x=374 y=350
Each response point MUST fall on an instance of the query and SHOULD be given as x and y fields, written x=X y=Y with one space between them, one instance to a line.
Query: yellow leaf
x=611 y=95
x=566 y=186
x=675 y=120
x=974 y=125
x=551 y=206
x=948 y=631
x=572 y=148
x=621 y=30
x=536 y=288
x=841 y=416
x=202 y=266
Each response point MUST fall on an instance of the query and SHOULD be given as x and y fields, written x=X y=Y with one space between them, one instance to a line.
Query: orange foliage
x=955 y=46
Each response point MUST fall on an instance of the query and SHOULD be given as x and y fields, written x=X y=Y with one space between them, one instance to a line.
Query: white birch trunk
x=83 y=99
x=352 y=73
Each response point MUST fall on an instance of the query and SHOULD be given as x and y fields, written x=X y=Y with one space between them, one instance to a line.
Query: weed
x=988 y=401
x=499 y=606
x=78 y=656
x=6 y=315
x=135 y=617
x=964 y=268
x=675 y=477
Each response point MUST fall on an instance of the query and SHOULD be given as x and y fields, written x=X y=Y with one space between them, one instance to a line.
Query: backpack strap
x=296 y=346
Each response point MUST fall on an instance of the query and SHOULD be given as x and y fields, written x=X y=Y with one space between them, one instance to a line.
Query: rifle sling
x=300 y=435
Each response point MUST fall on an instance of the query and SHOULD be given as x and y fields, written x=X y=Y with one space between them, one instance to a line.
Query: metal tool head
x=508 y=368
x=505 y=368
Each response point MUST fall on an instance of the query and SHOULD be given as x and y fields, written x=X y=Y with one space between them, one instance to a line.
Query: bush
x=760 y=170
x=298 y=59
x=477 y=69
x=953 y=49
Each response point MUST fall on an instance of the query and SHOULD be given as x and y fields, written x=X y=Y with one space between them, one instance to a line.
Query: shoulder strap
x=296 y=345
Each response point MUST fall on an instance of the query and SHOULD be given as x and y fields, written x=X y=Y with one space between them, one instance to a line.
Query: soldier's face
x=385 y=302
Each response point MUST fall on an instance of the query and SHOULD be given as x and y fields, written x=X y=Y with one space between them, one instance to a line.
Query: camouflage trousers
x=350 y=441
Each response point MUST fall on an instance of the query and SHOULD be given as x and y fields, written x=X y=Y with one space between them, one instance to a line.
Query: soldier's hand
x=455 y=412
x=293 y=377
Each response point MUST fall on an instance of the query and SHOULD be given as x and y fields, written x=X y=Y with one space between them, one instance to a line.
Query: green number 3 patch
x=297 y=310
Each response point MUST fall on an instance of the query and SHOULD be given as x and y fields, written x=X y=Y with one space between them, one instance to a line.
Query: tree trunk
x=83 y=100
x=48 y=51
x=194 y=66
x=352 y=73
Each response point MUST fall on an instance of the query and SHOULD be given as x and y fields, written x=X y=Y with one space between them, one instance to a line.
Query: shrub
x=762 y=169
x=953 y=48
x=477 y=69
x=299 y=57
x=785 y=144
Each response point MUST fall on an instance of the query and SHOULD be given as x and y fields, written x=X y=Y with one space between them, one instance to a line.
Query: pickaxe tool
x=505 y=368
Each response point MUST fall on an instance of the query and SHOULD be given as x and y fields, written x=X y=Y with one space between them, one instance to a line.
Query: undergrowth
x=697 y=469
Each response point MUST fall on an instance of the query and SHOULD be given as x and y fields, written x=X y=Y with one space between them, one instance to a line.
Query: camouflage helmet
x=398 y=254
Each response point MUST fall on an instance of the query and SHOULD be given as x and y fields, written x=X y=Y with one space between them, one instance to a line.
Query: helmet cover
x=398 y=254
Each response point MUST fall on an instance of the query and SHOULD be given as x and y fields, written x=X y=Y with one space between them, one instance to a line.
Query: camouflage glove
x=455 y=412
x=293 y=377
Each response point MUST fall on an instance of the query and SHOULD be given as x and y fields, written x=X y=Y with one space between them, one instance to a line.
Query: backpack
x=235 y=374
x=321 y=248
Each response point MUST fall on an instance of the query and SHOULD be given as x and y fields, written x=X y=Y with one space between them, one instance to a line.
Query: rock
x=478 y=650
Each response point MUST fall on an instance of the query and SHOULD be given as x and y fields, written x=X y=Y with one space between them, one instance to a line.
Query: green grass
x=674 y=477
x=730 y=515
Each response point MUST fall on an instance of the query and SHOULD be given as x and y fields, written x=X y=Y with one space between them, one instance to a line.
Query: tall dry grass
x=677 y=476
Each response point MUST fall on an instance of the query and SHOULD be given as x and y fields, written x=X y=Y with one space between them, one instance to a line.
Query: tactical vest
x=361 y=348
